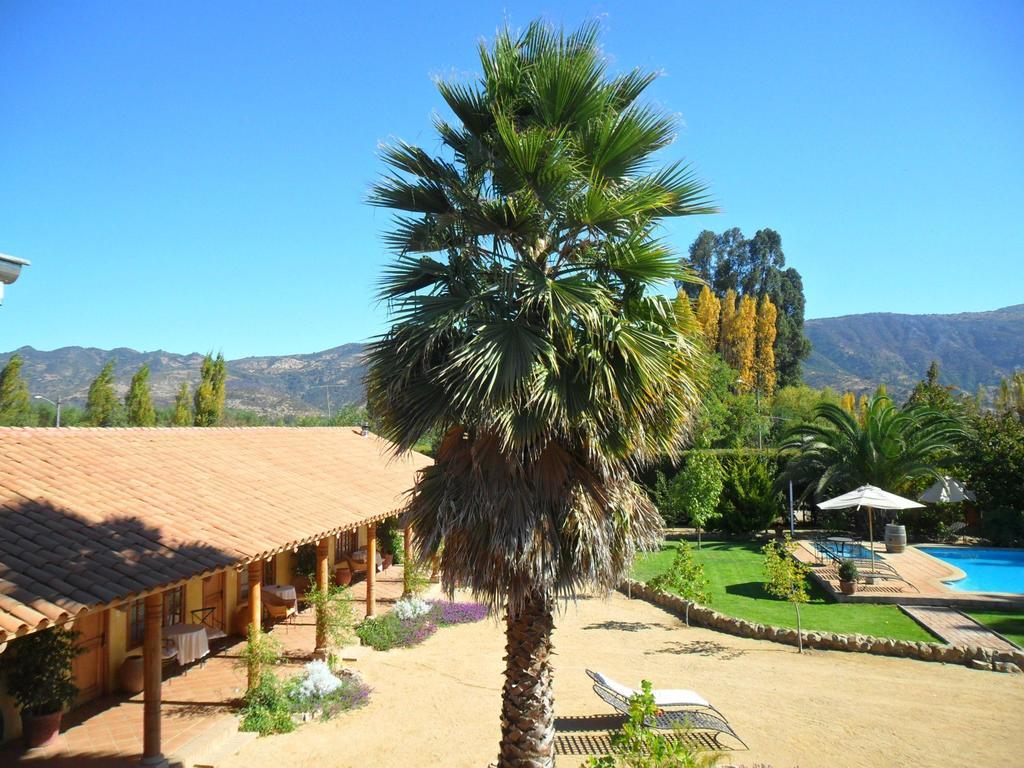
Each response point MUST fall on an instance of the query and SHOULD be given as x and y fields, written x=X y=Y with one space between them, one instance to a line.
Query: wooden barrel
x=895 y=537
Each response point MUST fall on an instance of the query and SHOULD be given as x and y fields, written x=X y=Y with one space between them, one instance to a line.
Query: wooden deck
x=925 y=576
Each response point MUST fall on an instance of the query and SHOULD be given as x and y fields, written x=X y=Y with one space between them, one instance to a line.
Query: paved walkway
x=203 y=697
x=956 y=628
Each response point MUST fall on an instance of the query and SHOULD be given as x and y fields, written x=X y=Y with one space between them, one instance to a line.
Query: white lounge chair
x=677 y=707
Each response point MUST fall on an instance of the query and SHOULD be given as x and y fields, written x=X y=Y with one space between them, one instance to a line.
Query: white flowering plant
x=318 y=681
x=411 y=608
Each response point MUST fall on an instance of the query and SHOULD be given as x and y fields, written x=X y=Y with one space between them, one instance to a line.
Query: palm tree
x=884 y=446
x=527 y=333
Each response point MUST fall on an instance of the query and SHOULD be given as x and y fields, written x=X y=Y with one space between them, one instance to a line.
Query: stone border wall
x=971 y=656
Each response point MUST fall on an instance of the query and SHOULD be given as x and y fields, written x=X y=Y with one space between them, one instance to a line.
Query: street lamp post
x=51 y=402
x=10 y=268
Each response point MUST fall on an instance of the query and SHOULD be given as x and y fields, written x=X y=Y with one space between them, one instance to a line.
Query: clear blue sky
x=190 y=176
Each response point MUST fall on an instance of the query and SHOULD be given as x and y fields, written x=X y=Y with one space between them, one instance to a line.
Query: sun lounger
x=677 y=708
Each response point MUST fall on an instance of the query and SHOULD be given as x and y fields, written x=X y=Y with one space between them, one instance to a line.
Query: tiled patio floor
x=924 y=585
x=107 y=733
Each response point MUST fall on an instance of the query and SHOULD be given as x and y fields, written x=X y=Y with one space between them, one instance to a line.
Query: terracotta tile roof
x=94 y=516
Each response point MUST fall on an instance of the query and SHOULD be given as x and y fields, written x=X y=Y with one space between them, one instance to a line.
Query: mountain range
x=855 y=352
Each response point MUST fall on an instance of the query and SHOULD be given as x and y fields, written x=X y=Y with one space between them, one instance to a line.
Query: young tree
x=182 y=414
x=693 y=493
x=101 y=402
x=727 y=330
x=15 y=404
x=709 y=308
x=764 y=362
x=138 y=402
x=786 y=578
x=685 y=577
x=745 y=341
x=211 y=391
x=528 y=332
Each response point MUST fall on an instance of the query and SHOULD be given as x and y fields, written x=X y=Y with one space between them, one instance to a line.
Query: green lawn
x=737 y=589
x=1009 y=625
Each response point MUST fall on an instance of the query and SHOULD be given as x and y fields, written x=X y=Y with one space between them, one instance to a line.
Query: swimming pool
x=844 y=550
x=988 y=570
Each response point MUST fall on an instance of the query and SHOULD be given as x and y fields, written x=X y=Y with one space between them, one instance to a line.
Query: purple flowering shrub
x=447 y=613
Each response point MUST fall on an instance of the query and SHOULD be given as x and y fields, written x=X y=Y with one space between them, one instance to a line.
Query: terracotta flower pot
x=847 y=587
x=40 y=730
x=342 y=577
x=389 y=559
x=131 y=675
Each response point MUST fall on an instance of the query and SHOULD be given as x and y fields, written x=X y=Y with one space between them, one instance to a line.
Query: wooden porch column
x=255 y=610
x=152 y=665
x=320 y=652
x=371 y=570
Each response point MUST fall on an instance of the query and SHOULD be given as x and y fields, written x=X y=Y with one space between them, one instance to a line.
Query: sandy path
x=438 y=704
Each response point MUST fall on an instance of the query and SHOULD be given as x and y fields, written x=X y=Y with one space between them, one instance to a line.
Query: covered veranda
x=127 y=531
x=198 y=703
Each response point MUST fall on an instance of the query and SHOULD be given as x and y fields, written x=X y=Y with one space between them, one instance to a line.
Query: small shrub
x=382 y=633
x=848 y=571
x=786 y=578
x=335 y=616
x=261 y=650
x=39 y=672
x=638 y=745
x=267 y=708
x=750 y=501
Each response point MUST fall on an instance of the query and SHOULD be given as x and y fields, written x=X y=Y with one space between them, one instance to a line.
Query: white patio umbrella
x=871 y=498
x=948 y=490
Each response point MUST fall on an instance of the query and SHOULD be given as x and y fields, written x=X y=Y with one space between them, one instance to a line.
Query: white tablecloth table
x=284 y=591
x=189 y=640
x=359 y=556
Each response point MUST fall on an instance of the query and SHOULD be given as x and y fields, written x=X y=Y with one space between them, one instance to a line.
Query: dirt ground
x=438 y=704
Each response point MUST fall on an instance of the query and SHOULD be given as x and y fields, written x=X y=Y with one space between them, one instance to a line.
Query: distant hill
x=273 y=386
x=857 y=352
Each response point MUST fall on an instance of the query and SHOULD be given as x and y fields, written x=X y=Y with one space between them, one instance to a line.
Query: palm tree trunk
x=528 y=700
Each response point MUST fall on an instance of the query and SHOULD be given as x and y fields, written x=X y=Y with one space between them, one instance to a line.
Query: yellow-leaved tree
x=727 y=328
x=709 y=309
x=745 y=341
x=764 y=363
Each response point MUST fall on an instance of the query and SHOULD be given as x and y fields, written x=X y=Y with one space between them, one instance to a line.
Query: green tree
x=750 y=499
x=992 y=456
x=182 y=414
x=885 y=446
x=527 y=331
x=786 y=578
x=15 y=404
x=693 y=493
x=685 y=577
x=101 y=402
x=138 y=402
x=208 y=409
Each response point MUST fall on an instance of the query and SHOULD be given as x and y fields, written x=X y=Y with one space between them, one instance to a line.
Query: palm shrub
x=529 y=333
x=885 y=446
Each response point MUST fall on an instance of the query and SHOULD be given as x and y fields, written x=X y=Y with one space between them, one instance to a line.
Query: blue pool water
x=845 y=550
x=988 y=570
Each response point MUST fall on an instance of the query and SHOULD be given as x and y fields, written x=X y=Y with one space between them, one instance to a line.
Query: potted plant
x=848 y=577
x=342 y=575
x=40 y=679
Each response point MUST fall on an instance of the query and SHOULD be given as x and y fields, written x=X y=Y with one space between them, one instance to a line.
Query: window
x=268 y=570
x=174 y=606
x=136 y=625
x=174 y=613
x=243 y=584
x=346 y=543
